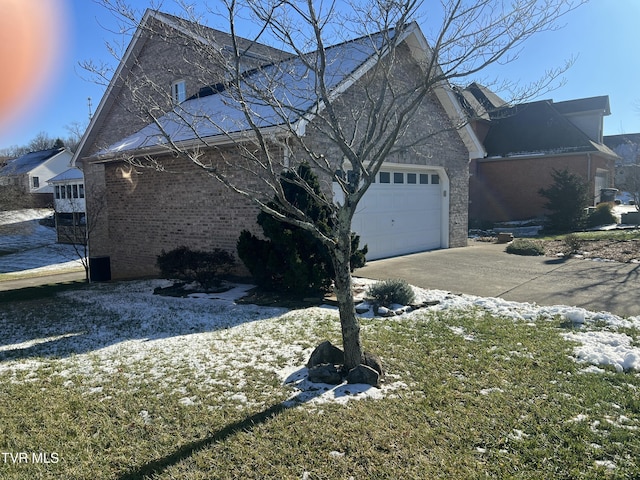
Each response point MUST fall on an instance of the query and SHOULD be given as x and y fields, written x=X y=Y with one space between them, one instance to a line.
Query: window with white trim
x=179 y=91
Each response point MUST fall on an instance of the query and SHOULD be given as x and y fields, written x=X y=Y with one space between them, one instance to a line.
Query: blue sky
x=603 y=35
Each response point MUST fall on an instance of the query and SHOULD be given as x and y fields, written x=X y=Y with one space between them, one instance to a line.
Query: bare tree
x=75 y=132
x=629 y=181
x=356 y=136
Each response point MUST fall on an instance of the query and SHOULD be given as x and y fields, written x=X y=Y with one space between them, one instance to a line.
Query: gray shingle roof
x=536 y=128
x=28 y=162
x=216 y=112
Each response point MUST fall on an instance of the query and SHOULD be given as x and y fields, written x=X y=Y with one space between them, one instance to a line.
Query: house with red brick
x=525 y=143
x=418 y=200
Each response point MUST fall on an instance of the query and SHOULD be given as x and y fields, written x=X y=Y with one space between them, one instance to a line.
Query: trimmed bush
x=391 y=291
x=188 y=265
x=526 y=246
x=572 y=244
x=603 y=215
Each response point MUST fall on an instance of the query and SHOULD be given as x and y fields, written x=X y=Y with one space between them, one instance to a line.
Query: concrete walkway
x=484 y=269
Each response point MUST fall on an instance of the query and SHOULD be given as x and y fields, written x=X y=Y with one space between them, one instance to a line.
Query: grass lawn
x=111 y=382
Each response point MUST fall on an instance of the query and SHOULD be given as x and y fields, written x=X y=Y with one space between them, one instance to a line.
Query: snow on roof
x=68 y=175
x=290 y=82
x=28 y=162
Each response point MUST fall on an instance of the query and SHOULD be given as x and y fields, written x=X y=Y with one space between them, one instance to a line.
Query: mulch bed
x=625 y=251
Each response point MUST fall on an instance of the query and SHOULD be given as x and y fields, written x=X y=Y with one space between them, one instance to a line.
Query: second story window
x=178 y=91
x=36 y=182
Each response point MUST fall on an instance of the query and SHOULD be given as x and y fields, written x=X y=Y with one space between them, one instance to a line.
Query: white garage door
x=401 y=213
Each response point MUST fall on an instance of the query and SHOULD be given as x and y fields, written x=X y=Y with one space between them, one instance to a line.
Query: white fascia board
x=277 y=131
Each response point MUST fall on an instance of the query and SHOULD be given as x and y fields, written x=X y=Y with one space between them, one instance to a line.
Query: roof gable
x=196 y=33
x=28 y=162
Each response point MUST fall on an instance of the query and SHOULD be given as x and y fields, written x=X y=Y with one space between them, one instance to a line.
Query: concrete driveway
x=484 y=269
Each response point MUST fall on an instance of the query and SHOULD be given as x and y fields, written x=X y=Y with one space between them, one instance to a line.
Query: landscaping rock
x=325 y=374
x=505 y=237
x=364 y=375
x=362 y=308
x=373 y=361
x=326 y=353
x=383 y=312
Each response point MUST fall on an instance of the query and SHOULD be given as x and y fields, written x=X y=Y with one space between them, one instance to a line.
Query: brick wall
x=149 y=211
x=507 y=189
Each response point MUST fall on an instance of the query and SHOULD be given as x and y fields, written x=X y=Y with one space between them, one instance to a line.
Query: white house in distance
x=69 y=205
x=32 y=172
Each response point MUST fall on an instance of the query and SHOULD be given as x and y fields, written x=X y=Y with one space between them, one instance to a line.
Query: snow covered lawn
x=29 y=248
x=115 y=380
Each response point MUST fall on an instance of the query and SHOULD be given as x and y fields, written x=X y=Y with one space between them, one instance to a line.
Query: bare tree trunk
x=343 y=287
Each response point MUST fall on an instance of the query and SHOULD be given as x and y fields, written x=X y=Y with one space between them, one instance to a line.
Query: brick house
x=418 y=200
x=525 y=143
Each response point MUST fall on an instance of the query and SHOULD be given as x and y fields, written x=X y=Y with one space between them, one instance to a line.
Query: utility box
x=100 y=269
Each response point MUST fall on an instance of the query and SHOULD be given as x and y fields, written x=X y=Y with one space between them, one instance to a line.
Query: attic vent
x=178 y=91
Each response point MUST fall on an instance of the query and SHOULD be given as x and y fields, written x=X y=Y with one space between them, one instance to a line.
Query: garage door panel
x=393 y=219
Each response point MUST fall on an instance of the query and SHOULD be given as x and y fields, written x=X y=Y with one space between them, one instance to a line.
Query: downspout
x=595 y=195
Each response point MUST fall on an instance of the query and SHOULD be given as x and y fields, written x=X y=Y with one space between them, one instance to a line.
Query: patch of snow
x=26 y=246
x=606 y=348
x=517 y=435
x=488 y=391
x=149 y=338
x=608 y=464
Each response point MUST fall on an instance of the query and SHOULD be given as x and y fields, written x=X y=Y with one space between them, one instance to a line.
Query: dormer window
x=178 y=91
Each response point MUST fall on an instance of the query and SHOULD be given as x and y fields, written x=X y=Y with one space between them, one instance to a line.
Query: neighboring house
x=69 y=206
x=31 y=172
x=525 y=143
x=418 y=202
x=627 y=147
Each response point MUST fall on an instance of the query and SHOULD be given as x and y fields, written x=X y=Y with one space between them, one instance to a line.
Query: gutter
x=204 y=143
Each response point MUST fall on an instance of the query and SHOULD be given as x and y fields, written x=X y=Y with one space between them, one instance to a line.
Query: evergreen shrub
x=526 y=246
x=603 y=215
x=291 y=259
x=391 y=291
x=206 y=268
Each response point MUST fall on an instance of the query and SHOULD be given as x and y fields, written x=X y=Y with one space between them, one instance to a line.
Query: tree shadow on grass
x=156 y=467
